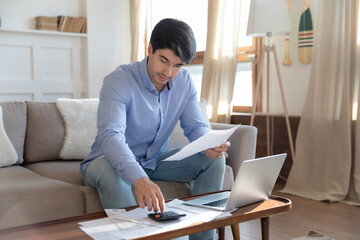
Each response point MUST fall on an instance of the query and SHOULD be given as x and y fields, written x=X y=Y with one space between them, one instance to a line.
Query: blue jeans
x=202 y=174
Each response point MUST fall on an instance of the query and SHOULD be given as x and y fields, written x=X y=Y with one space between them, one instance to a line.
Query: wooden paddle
x=306 y=35
x=287 y=60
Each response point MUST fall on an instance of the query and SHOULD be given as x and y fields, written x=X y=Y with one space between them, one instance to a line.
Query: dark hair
x=175 y=35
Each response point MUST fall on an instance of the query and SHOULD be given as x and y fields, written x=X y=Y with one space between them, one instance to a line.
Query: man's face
x=162 y=66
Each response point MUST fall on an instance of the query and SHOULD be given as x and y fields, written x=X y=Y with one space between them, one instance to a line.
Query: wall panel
x=41 y=67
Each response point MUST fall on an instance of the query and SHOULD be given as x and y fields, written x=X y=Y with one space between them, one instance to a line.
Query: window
x=246 y=67
x=196 y=17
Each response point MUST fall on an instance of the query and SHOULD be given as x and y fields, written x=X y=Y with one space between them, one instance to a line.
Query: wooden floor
x=336 y=220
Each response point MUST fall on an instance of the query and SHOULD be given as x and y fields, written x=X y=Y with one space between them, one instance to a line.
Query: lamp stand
x=267 y=50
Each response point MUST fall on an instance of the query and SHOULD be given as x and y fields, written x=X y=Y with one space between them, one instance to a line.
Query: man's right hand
x=149 y=194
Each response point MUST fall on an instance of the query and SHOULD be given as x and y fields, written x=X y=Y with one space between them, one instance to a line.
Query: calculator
x=169 y=215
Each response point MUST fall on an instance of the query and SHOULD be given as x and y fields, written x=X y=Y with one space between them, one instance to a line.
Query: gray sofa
x=42 y=187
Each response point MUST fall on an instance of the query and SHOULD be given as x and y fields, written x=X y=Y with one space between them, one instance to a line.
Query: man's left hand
x=217 y=152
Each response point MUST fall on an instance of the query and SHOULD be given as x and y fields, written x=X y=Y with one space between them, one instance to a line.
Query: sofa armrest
x=243 y=144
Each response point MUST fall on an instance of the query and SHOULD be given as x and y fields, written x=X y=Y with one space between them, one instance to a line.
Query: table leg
x=222 y=233
x=265 y=223
x=235 y=231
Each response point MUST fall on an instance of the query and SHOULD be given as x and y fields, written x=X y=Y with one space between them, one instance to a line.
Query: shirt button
x=158 y=134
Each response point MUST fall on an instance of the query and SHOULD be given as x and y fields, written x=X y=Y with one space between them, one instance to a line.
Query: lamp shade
x=268 y=17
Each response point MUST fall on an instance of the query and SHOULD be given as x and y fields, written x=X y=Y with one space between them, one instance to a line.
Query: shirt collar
x=147 y=81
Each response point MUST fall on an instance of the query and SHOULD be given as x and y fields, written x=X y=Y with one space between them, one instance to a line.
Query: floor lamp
x=268 y=18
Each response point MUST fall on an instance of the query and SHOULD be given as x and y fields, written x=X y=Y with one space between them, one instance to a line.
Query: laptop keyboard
x=217 y=203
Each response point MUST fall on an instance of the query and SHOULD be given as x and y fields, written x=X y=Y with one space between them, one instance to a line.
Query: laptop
x=254 y=183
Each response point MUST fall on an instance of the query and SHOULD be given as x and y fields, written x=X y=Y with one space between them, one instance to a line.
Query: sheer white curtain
x=353 y=196
x=326 y=166
x=220 y=58
x=138 y=20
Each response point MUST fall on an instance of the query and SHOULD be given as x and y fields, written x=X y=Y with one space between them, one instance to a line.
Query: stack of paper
x=135 y=223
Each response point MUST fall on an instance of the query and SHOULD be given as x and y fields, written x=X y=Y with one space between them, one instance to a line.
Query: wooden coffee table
x=69 y=228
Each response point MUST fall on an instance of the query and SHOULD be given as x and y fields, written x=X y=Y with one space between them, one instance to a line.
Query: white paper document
x=136 y=223
x=213 y=138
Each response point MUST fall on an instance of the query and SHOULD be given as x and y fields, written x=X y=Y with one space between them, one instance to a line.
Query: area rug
x=314 y=236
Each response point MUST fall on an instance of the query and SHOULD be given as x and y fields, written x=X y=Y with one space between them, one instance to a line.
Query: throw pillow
x=8 y=155
x=14 y=118
x=202 y=105
x=80 y=126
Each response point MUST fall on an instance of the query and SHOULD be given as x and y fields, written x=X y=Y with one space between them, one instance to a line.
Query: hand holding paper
x=213 y=138
x=217 y=152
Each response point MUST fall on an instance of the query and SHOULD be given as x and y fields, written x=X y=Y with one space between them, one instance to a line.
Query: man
x=139 y=106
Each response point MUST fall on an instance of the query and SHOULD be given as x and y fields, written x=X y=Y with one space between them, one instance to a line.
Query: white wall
x=109 y=41
x=20 y=14
x=295 y=77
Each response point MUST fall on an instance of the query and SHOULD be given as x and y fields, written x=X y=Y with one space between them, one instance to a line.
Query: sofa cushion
x=202 y=104
x=8 y=155
x=66 y=171
x=14 y=117
x=28 y=198
x=80 y=117
x=45 y=132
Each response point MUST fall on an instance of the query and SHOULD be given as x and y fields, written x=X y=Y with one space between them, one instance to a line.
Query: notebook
x=254 y=183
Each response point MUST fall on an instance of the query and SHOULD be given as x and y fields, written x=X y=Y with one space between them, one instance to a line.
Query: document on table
x=136 y=223
x=211 y=139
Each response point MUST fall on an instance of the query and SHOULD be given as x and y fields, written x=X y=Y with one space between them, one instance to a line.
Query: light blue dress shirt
x=135 y=121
